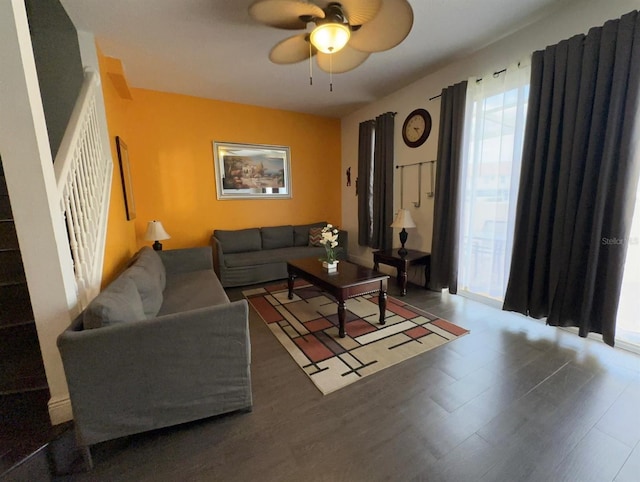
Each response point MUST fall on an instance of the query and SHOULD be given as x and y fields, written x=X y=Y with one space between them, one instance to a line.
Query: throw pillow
x=301 y=233
x=150 y=261
x=119 y=302
x=315 y=236
x=148 y=286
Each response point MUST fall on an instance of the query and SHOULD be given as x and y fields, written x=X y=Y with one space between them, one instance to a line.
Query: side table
x=413 y=257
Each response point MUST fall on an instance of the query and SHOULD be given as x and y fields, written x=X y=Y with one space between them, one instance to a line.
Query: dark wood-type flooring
x=515 y=400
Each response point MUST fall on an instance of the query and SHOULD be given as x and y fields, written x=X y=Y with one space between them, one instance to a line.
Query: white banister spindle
x=83 y=173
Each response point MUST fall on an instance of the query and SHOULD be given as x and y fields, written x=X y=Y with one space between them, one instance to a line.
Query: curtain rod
x=415 y=164
x=495 y=74
x=373 y=120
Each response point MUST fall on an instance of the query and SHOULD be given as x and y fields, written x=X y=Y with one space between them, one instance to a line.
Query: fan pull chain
x=330 y=72
x=310 y=65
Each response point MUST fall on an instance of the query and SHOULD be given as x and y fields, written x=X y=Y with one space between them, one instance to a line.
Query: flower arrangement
x=330 y=241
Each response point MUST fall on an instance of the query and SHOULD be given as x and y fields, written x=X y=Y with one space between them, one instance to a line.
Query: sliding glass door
x=628 y=323
x=496 y=113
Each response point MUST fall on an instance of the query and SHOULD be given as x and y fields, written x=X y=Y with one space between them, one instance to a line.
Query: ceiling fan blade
x=284 y=13
x=390 y=27
x=342 y=61
x=291 y=50
x=359 y=12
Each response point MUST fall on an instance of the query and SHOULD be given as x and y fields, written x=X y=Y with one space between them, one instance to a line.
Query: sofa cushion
x=315 y=236
x=192 y=290
x=150 y=260
x=149 y=286
x=117 y=303
x=239 y=241
x=301 y=233
x=277 y=237
x=278 y=255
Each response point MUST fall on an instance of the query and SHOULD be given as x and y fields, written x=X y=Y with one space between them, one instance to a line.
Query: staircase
x=24 y=417
x=30 y=448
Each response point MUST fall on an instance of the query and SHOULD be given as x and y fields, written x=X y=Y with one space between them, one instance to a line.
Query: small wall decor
x=125 y=176
x=252 y=171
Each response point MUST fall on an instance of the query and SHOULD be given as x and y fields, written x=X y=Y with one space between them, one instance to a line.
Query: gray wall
x=58 y=63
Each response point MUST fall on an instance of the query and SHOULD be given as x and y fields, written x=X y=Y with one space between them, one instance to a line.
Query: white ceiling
x=213 y=49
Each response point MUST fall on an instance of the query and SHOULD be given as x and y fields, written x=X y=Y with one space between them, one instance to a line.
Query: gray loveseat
x=248 y=256
x=161 y=345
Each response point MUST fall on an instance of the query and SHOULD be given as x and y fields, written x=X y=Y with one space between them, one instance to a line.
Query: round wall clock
x=416 y=128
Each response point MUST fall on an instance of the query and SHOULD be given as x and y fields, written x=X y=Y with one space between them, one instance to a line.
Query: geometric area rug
x=307 y=327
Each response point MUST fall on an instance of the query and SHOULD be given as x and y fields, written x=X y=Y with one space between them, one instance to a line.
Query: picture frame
x=252 y=171
x=125 y=176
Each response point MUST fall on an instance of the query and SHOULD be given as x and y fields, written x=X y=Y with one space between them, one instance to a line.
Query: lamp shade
x=329 y=38
x=403 y=220
x=155 y=232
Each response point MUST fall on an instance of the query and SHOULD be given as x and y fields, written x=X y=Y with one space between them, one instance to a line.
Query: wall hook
x=417 y=204
x=431 y=178
x=419 y=164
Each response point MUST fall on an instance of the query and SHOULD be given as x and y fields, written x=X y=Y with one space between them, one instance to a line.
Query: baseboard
x=60 y=410
x=361 y=260
x=368 y=261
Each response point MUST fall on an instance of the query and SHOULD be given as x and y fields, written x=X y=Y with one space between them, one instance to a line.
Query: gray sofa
x=161 y=345
x=248 y=256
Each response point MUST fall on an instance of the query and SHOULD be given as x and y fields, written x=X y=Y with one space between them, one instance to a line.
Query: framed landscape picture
x=252 y=171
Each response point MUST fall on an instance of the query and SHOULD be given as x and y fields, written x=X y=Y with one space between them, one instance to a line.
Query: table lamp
x=403 y=220
x=155 y=232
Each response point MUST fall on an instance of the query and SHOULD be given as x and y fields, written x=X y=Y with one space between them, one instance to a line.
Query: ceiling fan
x=345 y=32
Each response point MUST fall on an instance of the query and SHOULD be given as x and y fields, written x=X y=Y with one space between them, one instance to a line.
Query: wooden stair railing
x=84 y=169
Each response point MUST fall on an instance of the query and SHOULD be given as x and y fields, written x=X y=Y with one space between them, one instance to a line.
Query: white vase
x=330 y=267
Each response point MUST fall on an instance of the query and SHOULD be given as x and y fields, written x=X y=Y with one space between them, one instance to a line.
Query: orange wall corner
x=121 y=240
x=170 y=141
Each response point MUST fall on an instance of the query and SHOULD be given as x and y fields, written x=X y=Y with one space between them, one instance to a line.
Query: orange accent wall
x=121 y=235
x=170 y=141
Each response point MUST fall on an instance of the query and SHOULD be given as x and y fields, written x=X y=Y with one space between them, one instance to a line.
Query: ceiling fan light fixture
x=350 y=29
x=330 y=37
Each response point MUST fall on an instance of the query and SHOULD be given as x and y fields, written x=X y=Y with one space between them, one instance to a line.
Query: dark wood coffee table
x=349 y=281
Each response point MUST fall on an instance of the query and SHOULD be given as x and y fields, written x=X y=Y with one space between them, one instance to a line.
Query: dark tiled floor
x=24 y=425
x=514 y=400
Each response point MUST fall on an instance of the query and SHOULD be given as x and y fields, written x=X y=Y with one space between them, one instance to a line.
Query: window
x=369 y=182
x=375 y=182
x=494 y=131
x=364 y=183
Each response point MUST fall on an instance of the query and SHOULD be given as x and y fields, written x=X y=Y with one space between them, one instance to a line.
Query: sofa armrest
x=218 y=255
x=187 y=260
x=343 y=238
x=130 y=377
x=343 y=242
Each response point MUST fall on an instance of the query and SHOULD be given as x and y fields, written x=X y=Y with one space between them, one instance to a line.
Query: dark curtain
x=578 y=181
x=383 y=182
x=363 y=189
x=446 y=215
